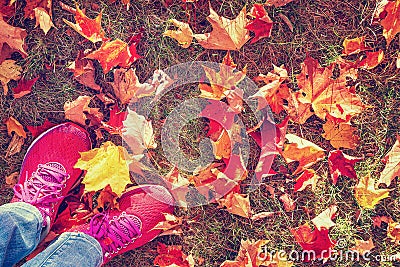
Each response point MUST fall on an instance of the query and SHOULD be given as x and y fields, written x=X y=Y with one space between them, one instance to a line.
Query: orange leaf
x=79 y=111
x=249 y=254
x=184 y=34
x=236 y=203
x=326 y=94
x=115 y=53
x=342 y=164
x=392 y=167
x=227 y=34
x=366 y=194
x=177 y=185
x=15 y=145
x=391 y=23
x=393 y=231
x=277 y=3
x=372 y=60
x=127 y=87
x=354 y=46
x=12 y=179
x=288 y=202
x=340 y=134
x=222 y=147
x=303 y=151
x=363 y=247
x=89 y=28
x=14 y=126
x=170 y=226
x=107 y=199
x=9 y=71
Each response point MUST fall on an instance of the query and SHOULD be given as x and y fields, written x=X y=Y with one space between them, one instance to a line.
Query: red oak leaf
x=37 y=130
x=115 y=53
x=342 y=164
x=261 y=25
x=24 y=87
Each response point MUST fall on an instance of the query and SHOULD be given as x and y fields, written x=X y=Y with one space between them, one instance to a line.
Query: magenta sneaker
x=47 y=173
x=141 y=209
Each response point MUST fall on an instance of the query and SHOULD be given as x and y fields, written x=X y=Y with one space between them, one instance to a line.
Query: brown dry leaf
x=43 y=19
x=354 y=46
x=366 y=194
x=15 y=126
x=303 y=151
x=138 y=133
x=340 y=134
x=226 y=34
x=84 y=71
x=15 y=145
x=288 y=202
x=236 y=203
x=393 y=231
x=14 y=37
x=363 y=247
x=184 y=34
x=107 y=199
x=79 y=111
x=9 y=71
x=324 y=219
x=277 y=3
x=391 y=23
x=12 y=179
x=127 y=87
x=392 y=168
x=107 y=165
x=89 y=28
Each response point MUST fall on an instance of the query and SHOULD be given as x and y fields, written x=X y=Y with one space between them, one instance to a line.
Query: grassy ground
x=319 y=29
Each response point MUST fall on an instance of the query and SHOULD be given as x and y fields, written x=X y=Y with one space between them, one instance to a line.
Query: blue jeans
x=21 y=231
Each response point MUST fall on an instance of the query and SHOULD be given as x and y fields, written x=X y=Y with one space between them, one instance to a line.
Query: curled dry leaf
x=12 y=179
x=115 y=53
x=170 y=226
x=43 y=19
x=107 y=165
x=15 y=126
x=84 y=71
x=115 y=123
x=14 y=37
x=138 y=133
x=392 y=167
x=184 y=34
x=89 y=28
x=372 y=60
x=342 y=164
x=107 y=199
x=288 y=202
x=324 y=219
x=9 y=70
x=262 y=23
x=366 y=194
x=15 y=145
x=127 y=87
x=236 y=203
x=79 y=111
x=24 y=87
x=354 y=46
x=226 y=34
x=303 y=151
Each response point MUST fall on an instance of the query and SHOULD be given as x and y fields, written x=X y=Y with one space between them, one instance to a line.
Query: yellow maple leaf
x=184 y=34
x=226 y=34
x=108 y=164
x=366 y=194
x=340 y=135
x=43 y=19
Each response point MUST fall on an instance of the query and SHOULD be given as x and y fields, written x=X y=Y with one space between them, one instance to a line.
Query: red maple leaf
x=342 y=164
x=24 y=87
x=261 y=25
x=115 y=123
x=37 y=130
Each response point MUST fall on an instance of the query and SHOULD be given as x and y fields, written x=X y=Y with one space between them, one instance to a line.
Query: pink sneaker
x=141 y=209
x=47 y=172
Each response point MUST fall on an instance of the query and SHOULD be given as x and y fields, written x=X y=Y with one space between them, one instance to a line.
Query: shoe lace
x=44 y=188
x=116 y=233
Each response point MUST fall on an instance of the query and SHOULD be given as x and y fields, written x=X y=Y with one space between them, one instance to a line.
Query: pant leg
x=20 y=231
x=69 y=250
